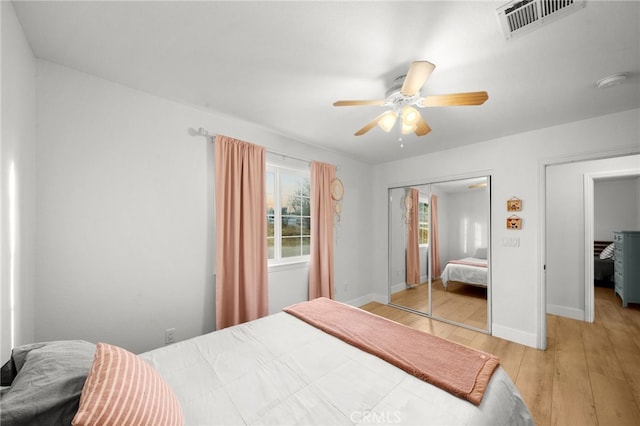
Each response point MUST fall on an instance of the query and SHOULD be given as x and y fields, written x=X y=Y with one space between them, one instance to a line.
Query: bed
x=284 y=369
x=469 y=270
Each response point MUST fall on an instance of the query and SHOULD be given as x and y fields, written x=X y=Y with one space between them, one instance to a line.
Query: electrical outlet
x=169 y=336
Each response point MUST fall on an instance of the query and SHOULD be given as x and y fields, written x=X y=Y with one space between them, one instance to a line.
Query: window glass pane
x=305 y=193
x=290 y=226
x=270 y=248
x=270 y=191
x=291 y=246
x=306 y=226
x=423 y=212
x=295 y=205
x=294 y=193
x=288 y=213
x=305 y=187
x=423 y=223
x=288 y=191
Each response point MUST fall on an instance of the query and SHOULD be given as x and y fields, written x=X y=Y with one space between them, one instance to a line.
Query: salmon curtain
x=241 y=232
x=435 y=245
x=413 y=250
x=322 y=211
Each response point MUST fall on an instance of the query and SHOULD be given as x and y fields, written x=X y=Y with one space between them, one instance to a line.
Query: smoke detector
x=611 y=80
x=520 y=17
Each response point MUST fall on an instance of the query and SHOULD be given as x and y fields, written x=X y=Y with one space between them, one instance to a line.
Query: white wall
x=17 y=263
x=616 y=207
x=398 y=233
x=565 y=229
x=515 y=164
x=466 y=224
x=124 y=226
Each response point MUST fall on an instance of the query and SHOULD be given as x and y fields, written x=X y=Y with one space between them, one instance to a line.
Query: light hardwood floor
x=462 y=303
x=589 y=374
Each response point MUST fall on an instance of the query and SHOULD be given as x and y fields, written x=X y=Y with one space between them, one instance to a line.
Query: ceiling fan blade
x=357 y=103
x=423 y=128
x=454 y=99
x=373 y=123
x=419 y=72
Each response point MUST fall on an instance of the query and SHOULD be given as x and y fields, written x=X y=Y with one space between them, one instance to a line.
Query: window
x=288 y=214
x=423 y=223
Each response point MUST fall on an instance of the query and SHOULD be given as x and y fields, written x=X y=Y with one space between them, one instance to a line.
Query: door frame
x=589 y=181
x=543 y=163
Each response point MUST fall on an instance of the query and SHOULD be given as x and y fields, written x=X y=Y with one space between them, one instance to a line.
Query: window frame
x=278 y=260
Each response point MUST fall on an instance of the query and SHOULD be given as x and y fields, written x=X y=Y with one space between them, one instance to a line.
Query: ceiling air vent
x=519 y=17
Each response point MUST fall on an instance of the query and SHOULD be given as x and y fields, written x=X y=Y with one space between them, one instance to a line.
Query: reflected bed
x=470 y=270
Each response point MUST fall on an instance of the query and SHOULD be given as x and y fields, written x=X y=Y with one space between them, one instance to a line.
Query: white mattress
x=468 y=274
x=280 y=370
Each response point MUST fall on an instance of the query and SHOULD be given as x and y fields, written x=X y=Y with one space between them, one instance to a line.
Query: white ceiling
x=282 y=64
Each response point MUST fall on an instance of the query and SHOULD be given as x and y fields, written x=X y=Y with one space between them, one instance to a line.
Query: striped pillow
x=607 y=253
x=122 y=389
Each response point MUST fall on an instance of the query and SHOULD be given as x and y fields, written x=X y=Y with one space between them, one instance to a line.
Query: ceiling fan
x=404 y=96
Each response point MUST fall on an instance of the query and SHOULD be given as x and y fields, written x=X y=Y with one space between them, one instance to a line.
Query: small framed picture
x=514 y=204
x=514 y=222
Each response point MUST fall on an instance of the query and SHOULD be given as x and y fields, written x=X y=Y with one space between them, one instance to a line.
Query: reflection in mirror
x=408 y=247
x=460 y=291
x=451 y=226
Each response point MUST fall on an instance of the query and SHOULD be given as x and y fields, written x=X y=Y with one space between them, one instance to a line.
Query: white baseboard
x=497 y=330
x=371 y=297
x=513 y=335
x=398 y=287
x=563 y=311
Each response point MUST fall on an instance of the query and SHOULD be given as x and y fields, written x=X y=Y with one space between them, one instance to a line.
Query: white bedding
x=280 y=370
x=468 y=274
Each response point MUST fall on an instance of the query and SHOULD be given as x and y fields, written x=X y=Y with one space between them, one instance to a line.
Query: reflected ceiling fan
x=404 y=96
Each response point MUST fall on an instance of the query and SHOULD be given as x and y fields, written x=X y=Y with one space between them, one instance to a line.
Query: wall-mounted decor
x=337 y=192
x=408 y=205
x=514 y=204
x=514 y=222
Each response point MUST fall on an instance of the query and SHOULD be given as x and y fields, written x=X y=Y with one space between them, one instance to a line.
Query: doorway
x=568 y=231
x=615 y=204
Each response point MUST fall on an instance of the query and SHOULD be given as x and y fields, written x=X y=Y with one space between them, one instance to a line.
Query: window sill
x=285 y=266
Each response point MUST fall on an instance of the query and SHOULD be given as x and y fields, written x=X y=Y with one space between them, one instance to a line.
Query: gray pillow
x=481 y=253
x=48 y=382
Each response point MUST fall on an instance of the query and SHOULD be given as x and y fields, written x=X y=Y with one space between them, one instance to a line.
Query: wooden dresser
x=627 y=266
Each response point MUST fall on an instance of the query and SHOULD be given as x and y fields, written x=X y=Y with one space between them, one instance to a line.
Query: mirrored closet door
x=439 y=254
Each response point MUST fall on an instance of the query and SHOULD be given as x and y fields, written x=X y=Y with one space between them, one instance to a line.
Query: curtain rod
x=205 y=133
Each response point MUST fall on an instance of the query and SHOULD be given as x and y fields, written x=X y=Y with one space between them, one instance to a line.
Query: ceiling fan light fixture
x=478 y=185
x=404 y=95
x=408 y=128
x=387 y=122
x=410 y=116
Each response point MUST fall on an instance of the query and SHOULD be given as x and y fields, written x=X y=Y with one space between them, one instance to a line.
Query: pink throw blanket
x=466 y=262
x=459 y=370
